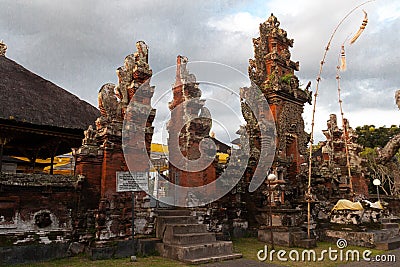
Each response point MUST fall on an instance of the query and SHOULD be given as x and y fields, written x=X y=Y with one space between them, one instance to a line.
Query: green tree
x=372 y=137
x=383 y=165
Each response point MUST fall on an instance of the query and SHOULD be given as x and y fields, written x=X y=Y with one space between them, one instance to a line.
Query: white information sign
x=132 y=181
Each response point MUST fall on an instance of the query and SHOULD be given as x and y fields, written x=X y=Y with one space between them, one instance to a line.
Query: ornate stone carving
x=397 y=98
x=102 y=152
x=272 y=69
x=330 y=163
x=89 y=143
x=113 y=100
x=124 y=81
x=291 y=124
x=273 y=21
x=190 y=124
x=142 y=54
x=90 y=135
x=141 y=70
x=3 y=48
x=108 y=103
x=257 y=68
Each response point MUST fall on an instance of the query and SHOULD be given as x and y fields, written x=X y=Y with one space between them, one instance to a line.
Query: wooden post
x=51 y=163
x=270 y=213
x=1 y=156
x=33 y=160
x=53 y=154
x=3 y=142
x=74 y=150
x=133 y=223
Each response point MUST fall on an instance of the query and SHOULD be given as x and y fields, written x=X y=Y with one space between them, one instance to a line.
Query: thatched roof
x=27 y=97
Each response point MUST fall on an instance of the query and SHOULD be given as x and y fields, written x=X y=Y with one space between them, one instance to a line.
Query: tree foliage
x=387 y=171
x=372 y=137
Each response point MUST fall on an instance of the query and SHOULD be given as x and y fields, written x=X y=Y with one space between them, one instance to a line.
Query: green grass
x=83 y=261
x=247 y=246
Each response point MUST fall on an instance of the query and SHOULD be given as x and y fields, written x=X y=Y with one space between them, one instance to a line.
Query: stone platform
x=286 y=236
x=385 y=239
x=115 y=249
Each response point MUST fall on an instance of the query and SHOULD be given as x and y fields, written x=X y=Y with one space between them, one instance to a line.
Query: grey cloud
x=79 y=44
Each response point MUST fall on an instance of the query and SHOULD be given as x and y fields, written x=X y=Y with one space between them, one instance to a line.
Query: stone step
x=190 y=239
x=299 y=235
x=163 y=221
x=215 y=259
x=307 y=243
x=381 y=236
x=177 y=219
x=173 y=229
x=300 y=239
x=390 y=244
x=390 y=226
x=286 y=238
x=395 y=220
x=198 y=251
x=391 y=220
x=173 y=212
x=186 y=240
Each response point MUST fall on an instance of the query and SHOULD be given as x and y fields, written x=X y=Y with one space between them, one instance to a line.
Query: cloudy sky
x=79 y=44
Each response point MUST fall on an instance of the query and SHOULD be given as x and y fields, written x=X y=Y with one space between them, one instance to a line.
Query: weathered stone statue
x=142 y=54
x=90 y=135
x=3 y=48
x=141 y=70
x=185 y=76
x=397 y=97
x=129 y=62
x=121 y=90
x=108 y=103
x=135 y=72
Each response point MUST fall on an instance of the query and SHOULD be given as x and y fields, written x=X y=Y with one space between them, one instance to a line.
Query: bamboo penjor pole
x=308 y=194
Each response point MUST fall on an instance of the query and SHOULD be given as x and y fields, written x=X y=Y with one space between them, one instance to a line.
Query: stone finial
x=182 y=73
x=90 y=136
x=3 y=48
x=397 y=98
x=142 y=53
x=273 y=21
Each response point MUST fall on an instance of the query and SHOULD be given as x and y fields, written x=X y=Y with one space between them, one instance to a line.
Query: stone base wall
x=33 y=253
x=363 y=239
x=114 y=217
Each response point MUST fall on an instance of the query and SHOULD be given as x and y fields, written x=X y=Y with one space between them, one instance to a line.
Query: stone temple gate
x=272 y=70
x=100 y=217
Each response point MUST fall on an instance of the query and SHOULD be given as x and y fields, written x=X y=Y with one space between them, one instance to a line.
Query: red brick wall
x=113 y=161
x=90 y=167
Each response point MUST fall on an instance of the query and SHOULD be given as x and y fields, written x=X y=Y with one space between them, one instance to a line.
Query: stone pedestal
x=286 y=230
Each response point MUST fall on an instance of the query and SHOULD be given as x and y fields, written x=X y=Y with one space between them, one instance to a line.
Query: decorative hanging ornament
x=342 y=59
x=361 y=29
